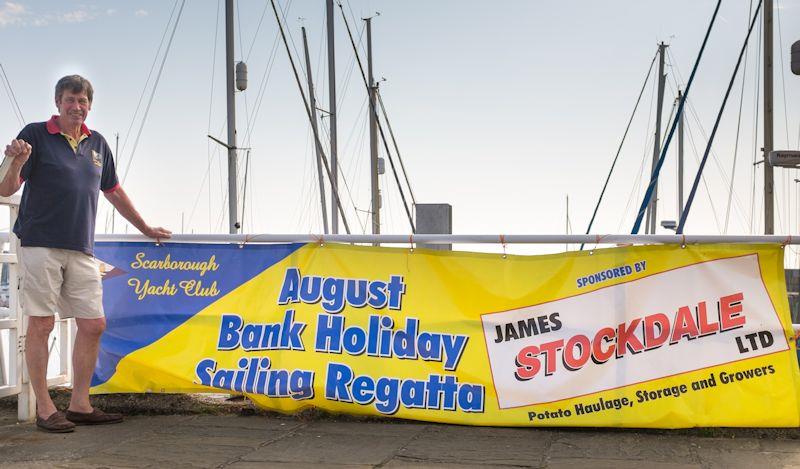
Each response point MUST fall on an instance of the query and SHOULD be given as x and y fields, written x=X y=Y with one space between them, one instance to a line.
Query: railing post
x=26 y=400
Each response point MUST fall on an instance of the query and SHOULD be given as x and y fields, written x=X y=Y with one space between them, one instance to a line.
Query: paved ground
x=233 y=440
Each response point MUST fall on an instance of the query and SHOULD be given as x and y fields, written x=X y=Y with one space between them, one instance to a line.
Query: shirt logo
x=97 y=159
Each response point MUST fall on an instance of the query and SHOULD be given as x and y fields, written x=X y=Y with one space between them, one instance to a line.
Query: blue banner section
x=149 y=290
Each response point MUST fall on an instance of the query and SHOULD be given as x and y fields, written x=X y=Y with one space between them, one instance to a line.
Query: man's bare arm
x=119 y=199
x=20 y=150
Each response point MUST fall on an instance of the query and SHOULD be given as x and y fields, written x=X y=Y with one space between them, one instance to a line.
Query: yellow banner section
x=658 y=336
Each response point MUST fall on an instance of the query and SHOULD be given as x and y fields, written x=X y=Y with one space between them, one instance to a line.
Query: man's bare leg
x=36 y=357
x=84 y=358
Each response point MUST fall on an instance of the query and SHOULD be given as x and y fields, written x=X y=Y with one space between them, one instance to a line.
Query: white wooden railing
x=12 y=359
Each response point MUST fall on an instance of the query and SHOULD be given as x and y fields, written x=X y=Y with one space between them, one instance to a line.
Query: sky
x=502 y=109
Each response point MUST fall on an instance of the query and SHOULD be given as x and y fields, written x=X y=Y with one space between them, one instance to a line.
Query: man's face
x=73 y=108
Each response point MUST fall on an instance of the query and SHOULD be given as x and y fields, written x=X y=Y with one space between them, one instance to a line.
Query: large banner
x=655 y=336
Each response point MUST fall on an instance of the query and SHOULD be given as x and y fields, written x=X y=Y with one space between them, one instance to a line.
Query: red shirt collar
x=52 y=127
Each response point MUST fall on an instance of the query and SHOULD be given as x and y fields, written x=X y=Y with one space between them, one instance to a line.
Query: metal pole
x=373 y=138
x=332 y=115
x=229 y=72
x=404 y=240
x=680 y=160
x=651 y=213
x=769 y=189
x=380 y=127
x=313 y=101
x=566 y=224
x=114 y=209
x=337 y=200
x=654 y=177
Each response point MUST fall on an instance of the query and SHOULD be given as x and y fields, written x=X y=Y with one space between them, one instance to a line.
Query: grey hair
x=75 y=84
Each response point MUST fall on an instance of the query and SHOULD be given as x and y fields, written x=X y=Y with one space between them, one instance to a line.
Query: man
x=64 y=166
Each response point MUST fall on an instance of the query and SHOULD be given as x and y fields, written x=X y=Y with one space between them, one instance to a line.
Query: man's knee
x=40 y=326
x=91 y=327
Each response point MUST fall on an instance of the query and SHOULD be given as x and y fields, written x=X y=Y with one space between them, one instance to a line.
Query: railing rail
x=600 y=239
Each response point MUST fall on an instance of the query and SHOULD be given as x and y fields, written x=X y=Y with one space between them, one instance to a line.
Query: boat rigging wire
x=648 y=144
x=783 y=70
x=258 y=29
x=380 y=127
x=343 y=150
x=297 y=54
x=339 y=98
x=692 y=112
x=665 y=147
x=263 y=86
x=256 y=107
x=736 y=141
x=153 y=91
x=348 y=75
x=312 y=96
x=149 y=75
x=787 y=176
x=696 y=155
x=308 y=111
x=360 y=138
x=244 y=189
x=244 y=95
x=12 y=97
x=246 y=114
x=756 y=114
x=689 y=201
x=208 y=129
x=621 y=143
x=396 y=148
x=301 y=201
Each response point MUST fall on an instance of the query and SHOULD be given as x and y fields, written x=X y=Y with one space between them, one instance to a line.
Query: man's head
x=73 y=100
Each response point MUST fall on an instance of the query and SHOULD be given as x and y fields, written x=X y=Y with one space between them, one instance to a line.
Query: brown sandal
x=95 y=417
x=56 y=423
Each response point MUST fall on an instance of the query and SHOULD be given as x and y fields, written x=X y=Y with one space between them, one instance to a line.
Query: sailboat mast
x=680 y=160
x=650 y=226
x=229 y=73
x=332 y=116
x=318 y=147
x=769 y=189
x=373 y=137
x=566 y=225
x=119 y=165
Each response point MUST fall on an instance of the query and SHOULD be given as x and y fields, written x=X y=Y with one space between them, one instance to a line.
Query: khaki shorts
x=59 y=280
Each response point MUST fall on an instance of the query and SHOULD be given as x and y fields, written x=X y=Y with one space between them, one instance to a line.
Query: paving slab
x=287 y=465
x=20 y=442
x=600 y=445
x=274 y=440
x=579 y=463
x=716 y=458
x=488 y=446
x=176 y=451
x=401 y=463
x=312 y=447
x=780 y=446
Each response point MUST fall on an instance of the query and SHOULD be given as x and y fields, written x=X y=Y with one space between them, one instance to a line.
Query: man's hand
x=157 y=232
x=20 y=150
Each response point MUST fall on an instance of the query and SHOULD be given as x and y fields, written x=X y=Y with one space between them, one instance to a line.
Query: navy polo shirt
x=59 y=202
